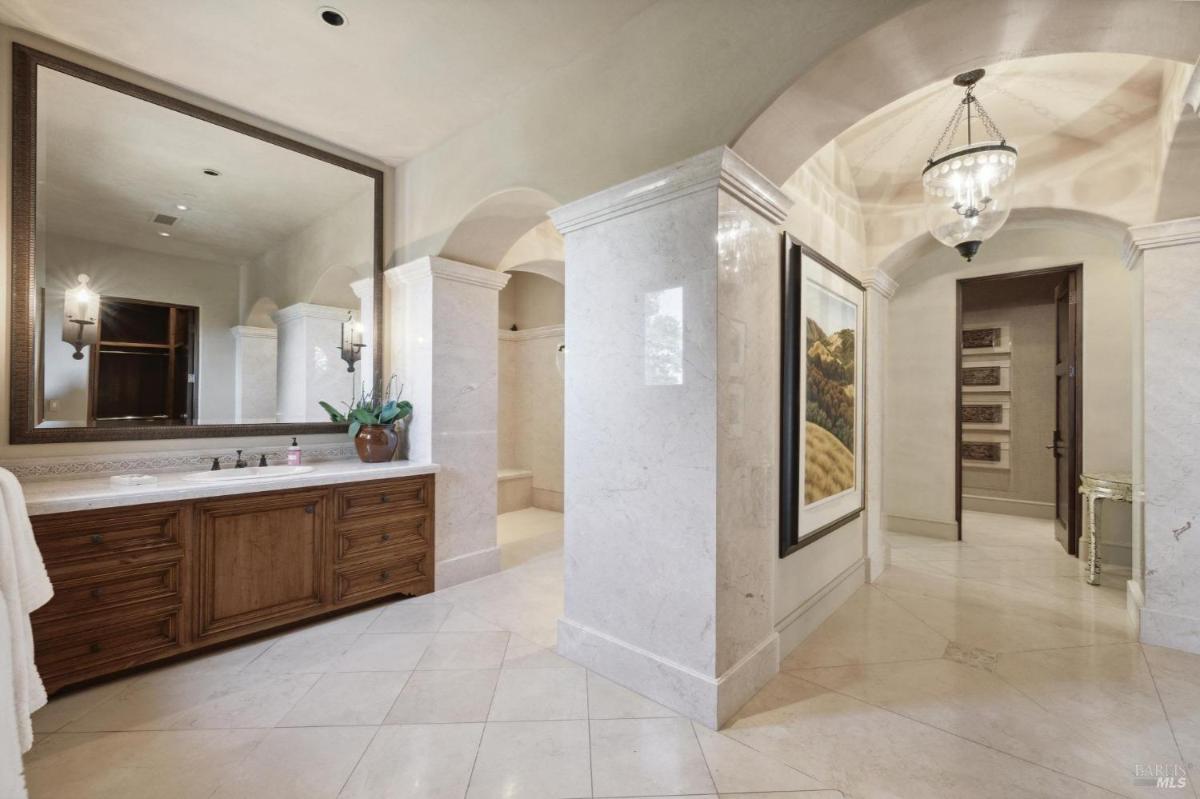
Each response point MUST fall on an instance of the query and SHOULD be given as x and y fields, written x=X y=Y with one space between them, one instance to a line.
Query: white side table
x=1094 y=486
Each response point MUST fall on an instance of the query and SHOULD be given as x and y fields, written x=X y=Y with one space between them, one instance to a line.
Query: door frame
x=1075 y=453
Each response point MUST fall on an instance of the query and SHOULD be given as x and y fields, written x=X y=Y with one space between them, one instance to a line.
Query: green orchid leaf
x=404 y=408
x=334 y=414
x=354 y=428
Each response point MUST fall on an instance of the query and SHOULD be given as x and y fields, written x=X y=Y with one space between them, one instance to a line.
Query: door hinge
x=1071 y=371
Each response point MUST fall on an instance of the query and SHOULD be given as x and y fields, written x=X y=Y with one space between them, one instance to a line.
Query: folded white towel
x=25 y=587
x=12 y=782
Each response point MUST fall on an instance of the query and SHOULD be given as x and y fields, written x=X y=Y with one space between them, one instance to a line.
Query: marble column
x=309 y=362
x=254 y=368
x=1165 y=258
x=446 y=345
x=671 y=433
x=880 y=289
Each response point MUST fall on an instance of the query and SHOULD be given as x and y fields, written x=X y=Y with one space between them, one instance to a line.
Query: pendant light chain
x=952 y=126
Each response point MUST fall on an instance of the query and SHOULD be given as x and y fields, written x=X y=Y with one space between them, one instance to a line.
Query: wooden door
x=1065 y=441
x=259 y=561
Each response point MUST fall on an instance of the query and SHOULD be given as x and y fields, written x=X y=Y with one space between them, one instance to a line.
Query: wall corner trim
x=717 y=169
x=879 y=281
x=431 y=266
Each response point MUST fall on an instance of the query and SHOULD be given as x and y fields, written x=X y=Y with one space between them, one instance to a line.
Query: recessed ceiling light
x=181 y=207
x=331 y=16
x=212 y=173
x=164 y=234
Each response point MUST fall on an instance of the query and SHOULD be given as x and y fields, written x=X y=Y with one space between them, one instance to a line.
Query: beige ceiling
x=108 y=163
x=418 y=70
x=1061 y=111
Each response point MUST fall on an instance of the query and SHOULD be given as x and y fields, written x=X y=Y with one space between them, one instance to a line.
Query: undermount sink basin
x=247 y=473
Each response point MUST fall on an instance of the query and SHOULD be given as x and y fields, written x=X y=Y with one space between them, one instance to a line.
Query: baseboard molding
x=1170 y=630
x=547 y=499
x=702 y=698
x=926 y=527
x=464 y=568
x=799 y=624
x=1011 y=507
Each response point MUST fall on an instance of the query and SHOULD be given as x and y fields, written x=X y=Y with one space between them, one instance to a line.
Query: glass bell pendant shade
x=968 y=194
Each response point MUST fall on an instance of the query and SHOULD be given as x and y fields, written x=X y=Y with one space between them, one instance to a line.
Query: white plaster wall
x=530 y=423
x=531 y=300
x=138 y=274
x=919 y=411
x=826 y=216
x=10 y=452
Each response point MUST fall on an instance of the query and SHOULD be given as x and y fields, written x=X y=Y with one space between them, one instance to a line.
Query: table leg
x=1093 y=567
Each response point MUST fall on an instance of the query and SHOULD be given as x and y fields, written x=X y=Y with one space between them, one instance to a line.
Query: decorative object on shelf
x=968 y=188
x=1094 y=486
x=981 y=376
x=821 y=469
x=372 y=419
x=352 y=341
x=81 y=315
x=980 y=338
x=987 y=451
x=982 y=414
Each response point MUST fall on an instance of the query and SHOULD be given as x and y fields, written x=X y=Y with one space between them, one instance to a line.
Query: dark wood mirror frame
x=21 y=428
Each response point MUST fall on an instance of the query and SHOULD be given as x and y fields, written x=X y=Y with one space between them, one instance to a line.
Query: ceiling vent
x=165 y=219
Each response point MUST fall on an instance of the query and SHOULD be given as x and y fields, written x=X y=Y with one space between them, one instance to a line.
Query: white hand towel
x=25 y=587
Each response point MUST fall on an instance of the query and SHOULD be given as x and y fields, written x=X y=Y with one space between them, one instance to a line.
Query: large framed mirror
x=177 y=273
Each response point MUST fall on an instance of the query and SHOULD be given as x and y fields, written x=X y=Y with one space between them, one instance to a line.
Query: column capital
x=718 y=168
x=305 y=310
x=1172 y=233
x=431 y=266
x=879 y=281
x=363 y=288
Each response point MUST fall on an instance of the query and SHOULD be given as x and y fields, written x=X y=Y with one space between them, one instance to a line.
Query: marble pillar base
x=1170 y=630
x=708 y=700
x=801 y=622
x=465 y=568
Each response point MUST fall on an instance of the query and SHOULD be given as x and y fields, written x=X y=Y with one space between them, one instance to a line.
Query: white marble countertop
x=61 y=496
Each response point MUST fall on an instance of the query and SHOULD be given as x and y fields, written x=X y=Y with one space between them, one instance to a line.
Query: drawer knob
x=96 y=592
x=383 y=576
x=96 y=538
x=386 y=537
x=383 y=498
x=94 y=647
x=308 y=508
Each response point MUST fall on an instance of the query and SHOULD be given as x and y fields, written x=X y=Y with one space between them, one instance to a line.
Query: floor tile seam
x=902 y=661
x=483 y=731
x=1166 y=715
x=359 y=760
x=920 y=621
x=962 y=737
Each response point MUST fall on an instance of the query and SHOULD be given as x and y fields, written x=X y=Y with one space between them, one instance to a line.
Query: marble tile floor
x=527 y=533
x=929 y=683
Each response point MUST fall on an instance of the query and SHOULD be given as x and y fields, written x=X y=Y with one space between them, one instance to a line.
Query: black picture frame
x=793 y=260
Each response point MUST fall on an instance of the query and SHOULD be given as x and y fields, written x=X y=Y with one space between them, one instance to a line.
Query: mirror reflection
x=189 y=274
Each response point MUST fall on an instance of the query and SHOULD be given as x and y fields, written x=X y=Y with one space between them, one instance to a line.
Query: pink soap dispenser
x=293 y=453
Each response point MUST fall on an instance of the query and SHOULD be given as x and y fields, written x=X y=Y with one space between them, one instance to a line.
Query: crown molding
x=429 y=267
x=546 y=331
x=304 y=310
x=247 y=331
x=363 y=288
x=1156 y=235
x=879 y=281
x=719 y=168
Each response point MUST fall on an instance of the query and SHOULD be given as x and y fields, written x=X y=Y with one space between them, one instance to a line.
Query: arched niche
x=487 y=232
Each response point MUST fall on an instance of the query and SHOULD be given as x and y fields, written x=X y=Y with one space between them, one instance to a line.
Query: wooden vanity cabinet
x=137 y=584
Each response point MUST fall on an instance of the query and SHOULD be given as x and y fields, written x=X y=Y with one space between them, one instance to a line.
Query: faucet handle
x=216 y=465
x=262 y=459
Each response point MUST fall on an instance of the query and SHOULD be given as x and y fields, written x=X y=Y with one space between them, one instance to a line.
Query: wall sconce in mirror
x=81 y=312
x=560 y=358
x=352 y=342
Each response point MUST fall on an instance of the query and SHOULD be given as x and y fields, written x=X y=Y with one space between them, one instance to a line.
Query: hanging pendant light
x=968 y=188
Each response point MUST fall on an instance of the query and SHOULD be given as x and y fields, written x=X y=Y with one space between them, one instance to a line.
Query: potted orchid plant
x=372 y=419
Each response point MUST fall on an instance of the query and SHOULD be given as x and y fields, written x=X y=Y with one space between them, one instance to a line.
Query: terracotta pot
x=376 y=443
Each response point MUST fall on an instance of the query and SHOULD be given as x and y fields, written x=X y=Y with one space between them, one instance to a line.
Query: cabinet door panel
x=259 y=560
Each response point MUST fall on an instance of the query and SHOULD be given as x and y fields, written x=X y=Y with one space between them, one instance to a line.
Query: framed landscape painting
x=822 y=424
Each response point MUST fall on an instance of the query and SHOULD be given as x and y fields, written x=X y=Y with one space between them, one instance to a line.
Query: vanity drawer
x=410 y=573
x=70 y=648
x=113 y=589
x=406 y=533
x=127 y=533
x=383 y=498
